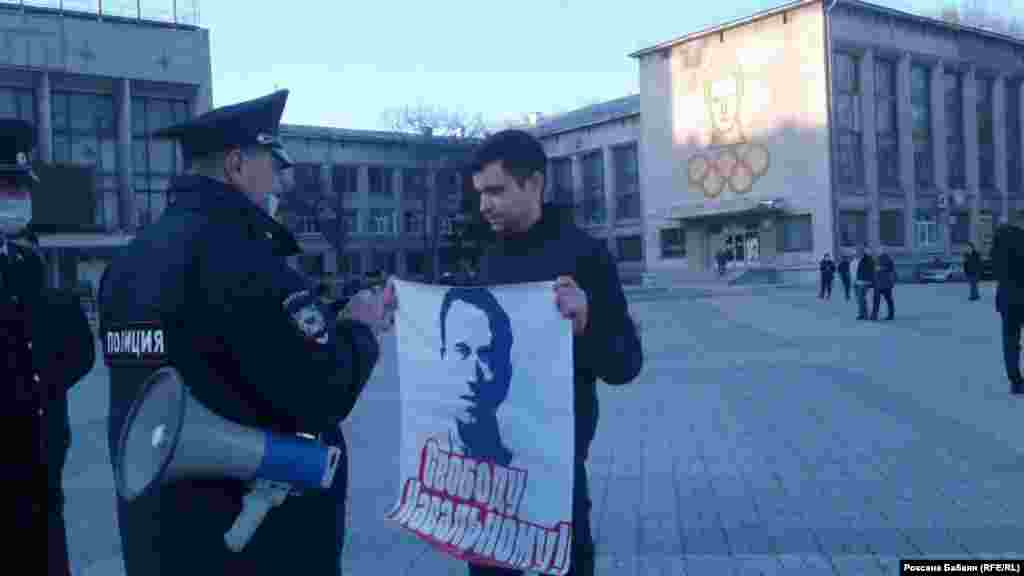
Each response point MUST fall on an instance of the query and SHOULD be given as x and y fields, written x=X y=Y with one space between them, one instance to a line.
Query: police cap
x=17 y=138
x=250 y=123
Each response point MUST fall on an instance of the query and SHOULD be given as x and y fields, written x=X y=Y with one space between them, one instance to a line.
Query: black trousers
x=826 y=287
x=846 y=286
x=1012 y=321
x=582 y=563
x=879 y=294
x=973 y=281
x=58 y=563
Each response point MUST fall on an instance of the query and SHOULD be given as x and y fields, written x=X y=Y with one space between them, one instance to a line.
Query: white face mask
x=14 y=215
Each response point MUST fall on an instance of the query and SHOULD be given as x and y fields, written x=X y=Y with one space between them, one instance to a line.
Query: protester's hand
x=367 y=307
x=572 y=303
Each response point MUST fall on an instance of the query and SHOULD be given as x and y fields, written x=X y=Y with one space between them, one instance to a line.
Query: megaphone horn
x=169 y=436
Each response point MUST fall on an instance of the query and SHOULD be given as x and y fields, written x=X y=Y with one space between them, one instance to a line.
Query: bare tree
x=439 y=140
x=978 y=14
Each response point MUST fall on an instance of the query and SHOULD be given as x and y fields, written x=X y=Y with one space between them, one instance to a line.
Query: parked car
x=940 y=271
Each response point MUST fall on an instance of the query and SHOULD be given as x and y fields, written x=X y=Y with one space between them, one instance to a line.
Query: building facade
x=594 y=166
x=94 y=104
x=397 y=195
x=810 y=128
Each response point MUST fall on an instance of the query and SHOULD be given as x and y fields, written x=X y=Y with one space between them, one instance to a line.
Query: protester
x=48 y=346
x=535 y=243
x=250 y=338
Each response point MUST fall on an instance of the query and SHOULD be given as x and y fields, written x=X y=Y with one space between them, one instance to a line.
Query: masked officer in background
x=47 y=347
x=1008 y=269
x=250 y=339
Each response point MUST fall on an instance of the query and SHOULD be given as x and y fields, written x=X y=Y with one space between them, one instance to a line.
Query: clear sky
x=346 y=62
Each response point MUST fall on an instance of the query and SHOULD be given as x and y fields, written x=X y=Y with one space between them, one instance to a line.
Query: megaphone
x=169 y=436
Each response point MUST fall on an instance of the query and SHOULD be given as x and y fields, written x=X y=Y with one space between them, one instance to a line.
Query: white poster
x=487 y=423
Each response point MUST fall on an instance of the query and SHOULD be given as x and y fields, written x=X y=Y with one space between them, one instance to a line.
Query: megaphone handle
x=255 y=506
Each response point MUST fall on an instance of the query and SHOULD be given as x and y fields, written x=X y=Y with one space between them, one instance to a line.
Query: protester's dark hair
x=520 y=154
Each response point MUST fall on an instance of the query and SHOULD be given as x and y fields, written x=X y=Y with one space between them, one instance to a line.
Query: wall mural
x=731 y=161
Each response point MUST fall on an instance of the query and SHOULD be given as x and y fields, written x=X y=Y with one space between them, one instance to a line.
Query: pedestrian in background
x=844 y=275
x=885 y=280
x=865 y=280
x=972 y=270
x=828 y=272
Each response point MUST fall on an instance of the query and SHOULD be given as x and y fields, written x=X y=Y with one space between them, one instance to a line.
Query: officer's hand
x=367 y=307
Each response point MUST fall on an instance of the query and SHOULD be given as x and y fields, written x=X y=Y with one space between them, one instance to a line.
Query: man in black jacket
x=535 y=244
x=48 y=346
x=251 y=340
x=828 y=274
x=1008 y=269
x=864 y=282
x=972 y=270
x=844 y=274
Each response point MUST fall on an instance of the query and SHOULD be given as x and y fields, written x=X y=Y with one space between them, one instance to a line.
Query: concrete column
x=577 y=188
x=609 y=195
x=126 y=212
x=44 y=117
x=939 y=127
x=908 y=172
x=999 y=135
x=971 y=150
x=869 y=133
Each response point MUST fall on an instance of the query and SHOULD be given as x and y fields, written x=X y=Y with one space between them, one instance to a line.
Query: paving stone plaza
x=769 y=433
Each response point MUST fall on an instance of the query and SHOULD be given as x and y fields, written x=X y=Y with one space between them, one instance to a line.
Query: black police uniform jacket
x=47 y=347
x=251 y=342
x=609 y=348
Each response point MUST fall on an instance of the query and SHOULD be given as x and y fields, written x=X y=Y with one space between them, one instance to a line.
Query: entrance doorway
x=743 y=248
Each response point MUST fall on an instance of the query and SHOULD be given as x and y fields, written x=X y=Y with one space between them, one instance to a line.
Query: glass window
x=159 y=114
x=960 y=230
x=85 y=150
x=957 y=175
x=414 y=183
x=381 y=221
x=139 y=116
x=891 y=228
x=8 y=103
x=61 y=149
x=380 y=180
x=345 y=179
x=108 y=154
x=83 y=113
x=593 y=187
x=414 y=222
x=106 y=120
x=626 y=173
x=921 y=119
x=673 y=242
x=140 y=156
x=852 y=228
x=796 y=234
x=630 y=248
x=886 y=124
x=161 y=159
x=59 y=111
x=986 y=138
x=561 y=180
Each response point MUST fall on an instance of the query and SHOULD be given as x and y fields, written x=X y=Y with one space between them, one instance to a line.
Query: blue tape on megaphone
x=296 y=461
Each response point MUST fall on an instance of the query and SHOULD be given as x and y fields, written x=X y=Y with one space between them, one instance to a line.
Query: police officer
x=1008 y=268
x=210 y=282
x=47 y=347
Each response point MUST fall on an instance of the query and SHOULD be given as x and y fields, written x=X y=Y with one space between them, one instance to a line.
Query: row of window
x=593 y=207
x=927 y=231
x=85 y=133
x=850 y=167
x=380 y=179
